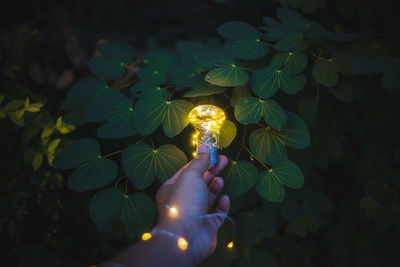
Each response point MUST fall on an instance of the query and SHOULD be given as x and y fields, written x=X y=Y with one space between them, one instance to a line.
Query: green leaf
x=288 y=173
x=143 y=89
x=273 y=114
x=239 y=176
x=137 y=211
x=269 y=188
x=294 y=63
x=250 y=109
x=106 y=69
x=37 y=161
x=295 y=132
x=267 y=146
x=214 y=58
x=92 y=170
x=118 y=52
x=238 y=93
x=325 y=71
x=152 y=75
x=150 y=112
x=230 y=75
x=159 y=60
x=203 y=88
x=246 y=40
x=227 y=134
x=142 y=163
x=115 y=108
x=265 y=82
x=307 y=109
x=295 y=43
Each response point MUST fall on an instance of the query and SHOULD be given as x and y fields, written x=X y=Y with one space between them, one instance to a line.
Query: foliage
x=311 y=135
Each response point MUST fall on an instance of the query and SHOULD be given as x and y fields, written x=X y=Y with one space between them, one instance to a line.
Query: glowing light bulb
x=207 y=120
x=230 y=245
x=182 y=243
x=173 y=212
x=146 y=236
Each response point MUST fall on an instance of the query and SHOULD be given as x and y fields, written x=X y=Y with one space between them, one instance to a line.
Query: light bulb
x=207 y=120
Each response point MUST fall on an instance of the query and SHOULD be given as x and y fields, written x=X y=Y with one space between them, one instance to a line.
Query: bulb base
x=214 y=155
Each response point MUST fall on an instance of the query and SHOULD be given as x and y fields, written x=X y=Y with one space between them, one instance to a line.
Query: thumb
x=200 y=163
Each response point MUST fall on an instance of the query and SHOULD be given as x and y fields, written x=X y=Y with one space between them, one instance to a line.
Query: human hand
x=193 y=190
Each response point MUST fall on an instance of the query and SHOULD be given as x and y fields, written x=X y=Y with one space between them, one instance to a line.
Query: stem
x=254 y=156
x=117 y=182
x=249 y=69
x=112 y=153
x=151 y=140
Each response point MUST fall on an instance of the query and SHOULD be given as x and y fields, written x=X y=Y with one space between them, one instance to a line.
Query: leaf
x=288 y=173
x=152 y=75
x=270 y=188
x=325 y=71
x=238 y=93
x=307 y=109
x=294 y=63
x=137 y=211
x=227 y=134
x=118 y=51
x=142 y=163
x=143 y=89
x=92 y=170
x=239 y=176
x=203 y=88
x=159 y=60
x=273 y=114
x=267 y=146
x=62 y=127
x=83 y=90
x=107 y=69
x=250 y=109
x=37 y=161
x=115 y=108
x=51 y=149
x=230 y=75
x=34 y=107
x=246 y=40
x=266 y=82
x=295 y=133
x=151 y=112
x=13 y=105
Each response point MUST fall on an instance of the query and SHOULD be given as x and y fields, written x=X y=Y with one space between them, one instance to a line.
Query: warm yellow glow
x=173 y=212
x=230 y=245
x=182 y=243
x=146 y=236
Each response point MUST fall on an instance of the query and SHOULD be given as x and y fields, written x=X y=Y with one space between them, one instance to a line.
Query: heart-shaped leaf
x=227 y=134
x=239 y=176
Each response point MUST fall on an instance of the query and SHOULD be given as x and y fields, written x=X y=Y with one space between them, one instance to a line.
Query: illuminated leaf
x=92 y=170
x=143 y=89
x=51 y=149
x=270 y=188
x=150 y=112
x=239 y=177
x=152 y=75
x=227 y=134
x=266 y=82
x=202 y=88
x=137 y=211
x=142 y=163
x=115 y=108
x=62 y=127
x=246 y=40
x=230 y=75
x=294 y=62
x=250 y=109
x=37 y=161
x=267 y=146
x=34 y=107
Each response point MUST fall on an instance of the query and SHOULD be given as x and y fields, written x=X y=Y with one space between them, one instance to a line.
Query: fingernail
x=202 y=149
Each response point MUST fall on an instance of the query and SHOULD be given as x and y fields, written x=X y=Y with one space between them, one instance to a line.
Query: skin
x=193 y=190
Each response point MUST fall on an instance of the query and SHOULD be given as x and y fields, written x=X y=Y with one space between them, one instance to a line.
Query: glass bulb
x=207 y=120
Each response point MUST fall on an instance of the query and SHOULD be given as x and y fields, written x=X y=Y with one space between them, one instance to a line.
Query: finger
x=210 y=174
x=222 y=209
x=214 y=189
x=199 y=164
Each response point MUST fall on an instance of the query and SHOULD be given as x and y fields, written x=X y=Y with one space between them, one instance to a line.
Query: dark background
x=49 y=225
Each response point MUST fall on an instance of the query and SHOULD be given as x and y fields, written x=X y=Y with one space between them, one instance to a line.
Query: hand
x=193 y=190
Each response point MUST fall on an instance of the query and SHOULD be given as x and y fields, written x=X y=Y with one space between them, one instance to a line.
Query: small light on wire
x=230 y=245
x=182 y=243
x=146 y=236
x=173 y=211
